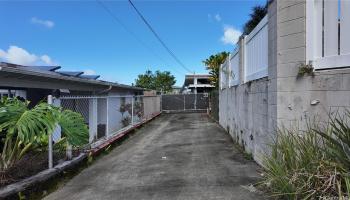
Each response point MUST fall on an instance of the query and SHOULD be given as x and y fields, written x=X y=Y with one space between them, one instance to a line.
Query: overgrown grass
x=310 y=164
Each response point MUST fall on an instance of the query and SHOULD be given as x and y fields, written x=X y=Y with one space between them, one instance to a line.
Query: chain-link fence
x=105 y=116
x=185 y=102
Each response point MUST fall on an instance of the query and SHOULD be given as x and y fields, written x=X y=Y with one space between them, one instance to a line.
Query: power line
x=158 y=37
x=132 y=33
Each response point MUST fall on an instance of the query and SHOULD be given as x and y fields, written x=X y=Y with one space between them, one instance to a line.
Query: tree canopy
x=159 y=81
x=257 y=14
x=213 y=65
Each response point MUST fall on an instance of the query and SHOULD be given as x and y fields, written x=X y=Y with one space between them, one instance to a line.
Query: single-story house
x=35 y=83
x=98 y=101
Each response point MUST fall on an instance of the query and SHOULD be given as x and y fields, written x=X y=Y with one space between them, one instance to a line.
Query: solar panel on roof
x=94 y=77
x=69 y=73
x=46 y=68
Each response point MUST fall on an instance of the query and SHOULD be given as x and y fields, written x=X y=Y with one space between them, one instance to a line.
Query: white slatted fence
x=256 y=52
x=234 y=68
x=328 y=30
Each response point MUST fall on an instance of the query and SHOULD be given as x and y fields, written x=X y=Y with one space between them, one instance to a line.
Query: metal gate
x=185 y=102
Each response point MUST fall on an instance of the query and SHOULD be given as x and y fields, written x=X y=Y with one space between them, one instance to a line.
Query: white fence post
x=195 y=100
x=49 y=101
x=107 y=118
x=160 y=103
x=69 y=151
x=132 y=110
x=184 y=102
x=92 y=119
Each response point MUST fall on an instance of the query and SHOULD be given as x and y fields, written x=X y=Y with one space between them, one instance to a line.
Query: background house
x=197 y=83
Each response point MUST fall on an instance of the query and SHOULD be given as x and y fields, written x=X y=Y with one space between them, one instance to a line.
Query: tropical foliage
x=311 y=164
x=23 y=129
x=257 y=14
x=159 y=81
x=213 y=65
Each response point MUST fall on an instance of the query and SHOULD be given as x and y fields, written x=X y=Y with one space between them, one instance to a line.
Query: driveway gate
x=185 y=102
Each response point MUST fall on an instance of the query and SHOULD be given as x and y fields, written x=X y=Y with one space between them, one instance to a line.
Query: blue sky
x=81 y=35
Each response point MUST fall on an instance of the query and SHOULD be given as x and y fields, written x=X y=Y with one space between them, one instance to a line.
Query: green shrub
x=23 y=129
x=310 y=164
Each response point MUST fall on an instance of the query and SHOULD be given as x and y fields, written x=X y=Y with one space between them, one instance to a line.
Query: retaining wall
x=251 y=112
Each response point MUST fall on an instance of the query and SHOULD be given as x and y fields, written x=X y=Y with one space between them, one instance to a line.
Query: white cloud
x=89 y=72
x=46 y=23
x=217 y=17
x=231 y=35
x=20 y=56
x=46 y=59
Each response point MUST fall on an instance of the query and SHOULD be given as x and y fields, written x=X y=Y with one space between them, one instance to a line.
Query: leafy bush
x=310 y=164
x=23 y=129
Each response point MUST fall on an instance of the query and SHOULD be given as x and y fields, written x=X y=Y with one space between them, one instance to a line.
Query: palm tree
x=213 y=65
x=21 y=128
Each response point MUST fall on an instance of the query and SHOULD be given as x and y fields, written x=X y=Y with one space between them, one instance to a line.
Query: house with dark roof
x=35 y=83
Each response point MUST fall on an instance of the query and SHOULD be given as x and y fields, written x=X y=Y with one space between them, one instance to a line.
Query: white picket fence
x=328 y=33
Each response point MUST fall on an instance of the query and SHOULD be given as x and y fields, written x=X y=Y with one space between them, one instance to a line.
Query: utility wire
x=132 y=33
x=158 y=37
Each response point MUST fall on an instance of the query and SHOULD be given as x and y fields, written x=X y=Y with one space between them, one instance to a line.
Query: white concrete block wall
x=245 y=114
x=253 y=111
x=295 y=94
x=249 y=111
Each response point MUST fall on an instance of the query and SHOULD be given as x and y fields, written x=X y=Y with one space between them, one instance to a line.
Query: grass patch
x=246 y=155
x=310 y=164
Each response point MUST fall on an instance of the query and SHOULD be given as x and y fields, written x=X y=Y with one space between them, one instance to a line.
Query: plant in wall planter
x=305 y=69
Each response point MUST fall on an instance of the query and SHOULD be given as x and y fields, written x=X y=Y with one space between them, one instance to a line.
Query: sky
x=83 y=36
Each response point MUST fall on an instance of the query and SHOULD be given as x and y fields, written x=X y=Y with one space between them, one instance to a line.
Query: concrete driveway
x=176 y=156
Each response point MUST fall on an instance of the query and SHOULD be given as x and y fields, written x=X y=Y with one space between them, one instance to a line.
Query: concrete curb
x=183 y=111
x=11 y=191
